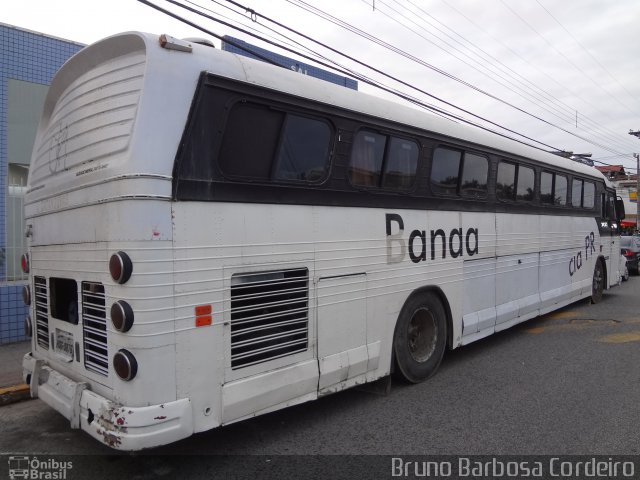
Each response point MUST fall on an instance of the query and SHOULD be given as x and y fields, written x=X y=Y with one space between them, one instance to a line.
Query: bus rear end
x=100 y=260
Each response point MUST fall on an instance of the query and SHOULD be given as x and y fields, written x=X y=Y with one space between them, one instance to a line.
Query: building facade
x=28 y=61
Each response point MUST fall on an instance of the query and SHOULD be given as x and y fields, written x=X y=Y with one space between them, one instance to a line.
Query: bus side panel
x=587 y=249
x=216 y=246
x=359 y=295
x=558 y=245
x=479 y=290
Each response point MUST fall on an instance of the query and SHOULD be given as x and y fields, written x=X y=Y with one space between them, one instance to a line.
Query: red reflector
x=203 y=315
x=203 y=310
x=203 y=321
x=24 y=262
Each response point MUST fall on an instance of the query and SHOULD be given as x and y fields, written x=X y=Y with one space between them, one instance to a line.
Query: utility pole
x=637 y=135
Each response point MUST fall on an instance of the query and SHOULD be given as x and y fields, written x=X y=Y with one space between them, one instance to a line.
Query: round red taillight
x=122 y=316
x=120 y=267
x=24 y=262
x=28 y=327
x=26 y=295
x=125 y=364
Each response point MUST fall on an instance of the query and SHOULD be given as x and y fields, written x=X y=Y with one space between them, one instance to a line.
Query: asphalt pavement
x=12 y=388
x=11 y=363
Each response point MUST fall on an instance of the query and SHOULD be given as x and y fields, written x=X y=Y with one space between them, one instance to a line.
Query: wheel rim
x=422 y=335
x=597 y=279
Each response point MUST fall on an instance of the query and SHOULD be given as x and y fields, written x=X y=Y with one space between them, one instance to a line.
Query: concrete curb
x=14 y=394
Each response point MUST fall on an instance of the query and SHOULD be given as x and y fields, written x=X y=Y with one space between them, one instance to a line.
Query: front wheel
x=420 y=337
x=598 y=283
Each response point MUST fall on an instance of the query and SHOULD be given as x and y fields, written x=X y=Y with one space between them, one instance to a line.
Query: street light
x=637 y=135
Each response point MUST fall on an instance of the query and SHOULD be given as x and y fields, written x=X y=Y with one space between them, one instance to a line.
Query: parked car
x=624 y=269
x=630 y=249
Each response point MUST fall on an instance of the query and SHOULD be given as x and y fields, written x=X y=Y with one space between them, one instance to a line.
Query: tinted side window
x=262 y=143
x=366 y=158
x=526 y=183
x=546 y=188
x=401 y=164
x=304 y=150
x=553 y=188
x=445 y=168
x=576 y=193
x=475 y=170
x=588 y=195
x=506 y=185
x=611 y=207
x=560 y=191
x=250 y=141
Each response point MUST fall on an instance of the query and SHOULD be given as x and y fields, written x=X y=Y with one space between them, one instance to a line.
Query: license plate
x=64 y=343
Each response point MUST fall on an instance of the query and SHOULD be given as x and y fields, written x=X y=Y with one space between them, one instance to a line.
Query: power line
x=566 y=117
x=487 y=59
x=585 y=49
x=534 y=67
x=565 y=57
x=400 y=94
x=316 y=11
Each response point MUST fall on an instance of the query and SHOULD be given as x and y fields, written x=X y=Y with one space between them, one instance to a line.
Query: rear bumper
x=115 y=425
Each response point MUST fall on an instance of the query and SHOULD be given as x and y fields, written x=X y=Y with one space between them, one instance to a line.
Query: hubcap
x=422 y=335
x=597 y=279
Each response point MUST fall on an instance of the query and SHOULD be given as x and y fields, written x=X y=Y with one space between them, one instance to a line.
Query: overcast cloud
x=552 y=59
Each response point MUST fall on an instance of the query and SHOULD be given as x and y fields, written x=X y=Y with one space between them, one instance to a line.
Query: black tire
x=420 y=338
x=598 y=282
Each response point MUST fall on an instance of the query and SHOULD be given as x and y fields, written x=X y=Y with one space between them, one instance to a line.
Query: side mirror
x=619 y=209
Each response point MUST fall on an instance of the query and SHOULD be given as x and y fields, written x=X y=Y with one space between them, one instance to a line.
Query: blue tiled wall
x=12 y=313
x=29 y=57
x=287 y=62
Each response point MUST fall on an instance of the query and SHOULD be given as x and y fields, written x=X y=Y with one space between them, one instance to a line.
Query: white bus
x=212 y=238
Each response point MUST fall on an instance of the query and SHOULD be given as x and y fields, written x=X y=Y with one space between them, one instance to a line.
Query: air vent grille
x=94 y=322
x=269 y=316
x=41 y=297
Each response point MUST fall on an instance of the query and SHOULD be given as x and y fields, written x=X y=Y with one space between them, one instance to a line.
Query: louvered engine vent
x=41 y=297
x=94 y=324
x=269 y=315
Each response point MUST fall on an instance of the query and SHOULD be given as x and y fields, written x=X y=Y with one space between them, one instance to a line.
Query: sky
x=564 y=74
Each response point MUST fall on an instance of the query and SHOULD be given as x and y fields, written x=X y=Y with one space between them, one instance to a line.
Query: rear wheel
x=420 y=337
x=598 y=283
